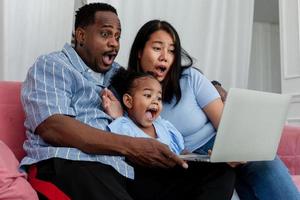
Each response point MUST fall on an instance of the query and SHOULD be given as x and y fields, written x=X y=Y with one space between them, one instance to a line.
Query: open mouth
x=151 y=113
x=109 y=57
x=162 y=68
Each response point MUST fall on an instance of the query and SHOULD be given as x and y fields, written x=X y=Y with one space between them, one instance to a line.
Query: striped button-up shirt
x=61 y=83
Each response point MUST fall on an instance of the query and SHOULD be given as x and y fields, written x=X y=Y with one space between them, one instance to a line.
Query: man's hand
x=111 y=104
x=149 y=152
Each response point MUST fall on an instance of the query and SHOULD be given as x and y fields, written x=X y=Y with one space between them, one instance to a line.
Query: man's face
x=98 y=43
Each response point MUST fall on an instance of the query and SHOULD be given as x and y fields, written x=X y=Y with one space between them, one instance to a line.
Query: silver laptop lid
x=250 y=126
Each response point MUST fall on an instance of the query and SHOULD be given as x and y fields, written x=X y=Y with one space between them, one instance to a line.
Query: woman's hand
x=235 y=164
x=111 y=104
x=231 y=164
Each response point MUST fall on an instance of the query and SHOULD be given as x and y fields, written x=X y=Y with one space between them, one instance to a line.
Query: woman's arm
x=213 y=111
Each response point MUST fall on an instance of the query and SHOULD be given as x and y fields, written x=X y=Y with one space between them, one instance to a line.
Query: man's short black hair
x=86 y=14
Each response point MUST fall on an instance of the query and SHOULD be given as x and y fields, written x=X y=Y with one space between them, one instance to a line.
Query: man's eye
x=104 y=34
x=118 y=37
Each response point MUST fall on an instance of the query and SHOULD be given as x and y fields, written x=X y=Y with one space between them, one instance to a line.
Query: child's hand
x=110 y=104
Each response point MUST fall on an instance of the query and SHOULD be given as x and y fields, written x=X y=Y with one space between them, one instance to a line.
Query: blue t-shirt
x=187 y=116
x=166 y=132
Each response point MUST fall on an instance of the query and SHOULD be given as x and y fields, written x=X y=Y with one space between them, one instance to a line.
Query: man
x=66 y=127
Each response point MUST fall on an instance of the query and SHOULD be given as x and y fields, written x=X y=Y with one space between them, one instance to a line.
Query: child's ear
x=127 y=100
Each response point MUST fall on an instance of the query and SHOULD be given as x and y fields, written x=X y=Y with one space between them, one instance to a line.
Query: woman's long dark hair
x=170 y=84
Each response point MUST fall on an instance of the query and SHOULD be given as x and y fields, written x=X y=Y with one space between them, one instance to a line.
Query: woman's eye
x=157 y=48
x=171 y=51
x=147 y=95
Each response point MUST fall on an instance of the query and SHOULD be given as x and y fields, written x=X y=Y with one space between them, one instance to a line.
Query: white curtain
x=31 y=28
x=264 y=72
x=216 y=33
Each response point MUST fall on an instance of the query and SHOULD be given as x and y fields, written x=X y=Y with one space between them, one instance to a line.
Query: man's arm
x=61 y=130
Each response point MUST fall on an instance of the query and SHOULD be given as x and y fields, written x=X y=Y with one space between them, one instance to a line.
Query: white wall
x=31 y=28
x=289 y=16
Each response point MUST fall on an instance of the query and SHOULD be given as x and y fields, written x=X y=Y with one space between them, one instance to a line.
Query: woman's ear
x=127 y=100
x=140 y=54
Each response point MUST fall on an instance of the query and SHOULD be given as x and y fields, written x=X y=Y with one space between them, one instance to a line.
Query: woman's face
x=158 y=54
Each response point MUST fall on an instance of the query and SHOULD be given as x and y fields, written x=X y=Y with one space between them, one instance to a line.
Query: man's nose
x=113 y=42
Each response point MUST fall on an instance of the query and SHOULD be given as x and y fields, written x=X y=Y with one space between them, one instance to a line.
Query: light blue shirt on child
x=166 y=132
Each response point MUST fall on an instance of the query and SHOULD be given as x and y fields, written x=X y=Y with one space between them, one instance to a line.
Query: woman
x=194 y=107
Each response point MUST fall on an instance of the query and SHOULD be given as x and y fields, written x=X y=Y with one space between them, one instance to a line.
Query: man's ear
x=80 y=36
x=127 y=100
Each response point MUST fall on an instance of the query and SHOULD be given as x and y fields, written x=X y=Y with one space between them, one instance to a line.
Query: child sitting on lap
x=141 y=98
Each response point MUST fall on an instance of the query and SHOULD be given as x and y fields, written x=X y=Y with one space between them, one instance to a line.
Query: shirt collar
x=74 y=58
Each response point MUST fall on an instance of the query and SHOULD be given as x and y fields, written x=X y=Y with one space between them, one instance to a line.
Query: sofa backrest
x=12 y=130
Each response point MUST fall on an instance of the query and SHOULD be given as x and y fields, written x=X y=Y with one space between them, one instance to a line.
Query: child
x=141 y=98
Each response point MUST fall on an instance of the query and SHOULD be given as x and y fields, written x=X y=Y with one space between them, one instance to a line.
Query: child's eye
x=159 y=98
x=147 y=95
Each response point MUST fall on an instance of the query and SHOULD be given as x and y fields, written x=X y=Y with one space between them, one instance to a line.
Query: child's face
x=145 y=103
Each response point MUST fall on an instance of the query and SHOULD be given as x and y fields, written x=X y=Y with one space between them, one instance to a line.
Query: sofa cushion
x=12 y=131
x=13 y=184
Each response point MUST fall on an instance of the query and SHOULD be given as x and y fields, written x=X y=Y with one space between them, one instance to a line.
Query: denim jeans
x=261 y=180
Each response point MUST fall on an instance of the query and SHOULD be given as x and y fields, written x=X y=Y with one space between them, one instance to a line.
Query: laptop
x=250 y=127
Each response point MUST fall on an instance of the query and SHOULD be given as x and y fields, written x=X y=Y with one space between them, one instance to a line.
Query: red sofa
x=12 y=131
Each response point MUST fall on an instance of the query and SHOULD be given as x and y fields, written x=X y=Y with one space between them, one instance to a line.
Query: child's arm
x=111 y=104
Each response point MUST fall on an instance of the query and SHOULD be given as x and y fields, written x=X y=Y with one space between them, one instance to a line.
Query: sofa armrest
x=289 y=148
x=12 y=130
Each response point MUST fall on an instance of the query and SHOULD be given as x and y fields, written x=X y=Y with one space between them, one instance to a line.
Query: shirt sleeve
x=204 y=91
x=177 y=142
x=46 y=91
x=121 y=126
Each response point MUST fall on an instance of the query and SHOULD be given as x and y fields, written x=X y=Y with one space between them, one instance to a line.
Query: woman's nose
x=163 y=56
